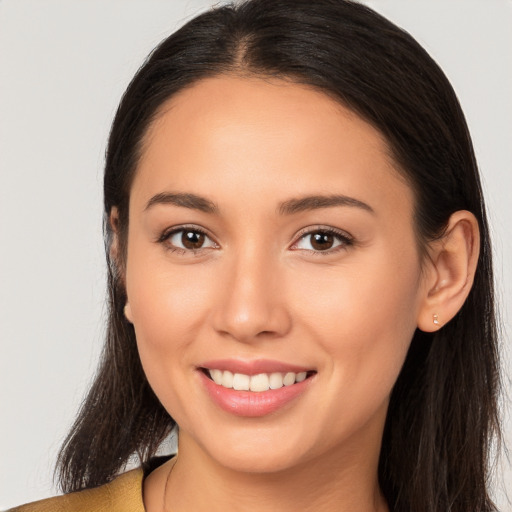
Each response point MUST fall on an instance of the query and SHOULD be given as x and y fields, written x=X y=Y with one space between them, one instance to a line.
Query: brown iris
x=322 y=241
x=192 y=239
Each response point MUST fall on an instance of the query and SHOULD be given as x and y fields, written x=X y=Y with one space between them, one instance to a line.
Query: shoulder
x=123 y=494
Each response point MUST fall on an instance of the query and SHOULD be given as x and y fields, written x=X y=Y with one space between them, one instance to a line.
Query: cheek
x=364 y=316
x=168 y=305
x=169 y=308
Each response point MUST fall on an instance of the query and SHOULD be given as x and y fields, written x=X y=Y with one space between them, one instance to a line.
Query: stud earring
x=435 y=319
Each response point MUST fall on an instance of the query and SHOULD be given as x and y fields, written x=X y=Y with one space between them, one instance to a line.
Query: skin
x=259 y=289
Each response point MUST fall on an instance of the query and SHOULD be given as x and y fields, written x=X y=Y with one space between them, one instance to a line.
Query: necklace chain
x=164 y=503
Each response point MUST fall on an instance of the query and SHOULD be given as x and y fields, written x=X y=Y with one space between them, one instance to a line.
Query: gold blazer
x=123 y=494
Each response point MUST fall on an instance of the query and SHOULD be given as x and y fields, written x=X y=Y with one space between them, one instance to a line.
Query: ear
x=115 y=255
x=114 y=246
x=128 y=312
x=451 y=271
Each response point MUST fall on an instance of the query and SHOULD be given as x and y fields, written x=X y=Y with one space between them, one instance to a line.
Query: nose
x=252 y=303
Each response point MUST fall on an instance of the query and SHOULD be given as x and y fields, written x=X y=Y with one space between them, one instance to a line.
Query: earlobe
x=128 y=313
x=115 y=256
x=453 y=261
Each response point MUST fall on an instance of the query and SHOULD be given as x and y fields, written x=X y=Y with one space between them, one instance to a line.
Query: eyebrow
x=318 y=201
x=289 y=207
x=184 y=200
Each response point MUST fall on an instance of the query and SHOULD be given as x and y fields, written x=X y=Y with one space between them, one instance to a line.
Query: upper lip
x=253 y=367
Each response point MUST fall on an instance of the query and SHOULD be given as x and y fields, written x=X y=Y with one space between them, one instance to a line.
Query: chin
x=249 y=450
x=249 y=460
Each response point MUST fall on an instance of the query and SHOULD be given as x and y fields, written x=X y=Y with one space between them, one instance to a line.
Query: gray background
x=63 y=67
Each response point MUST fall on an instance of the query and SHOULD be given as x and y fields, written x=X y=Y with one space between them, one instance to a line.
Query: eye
x=187 y=239
x=323 y=240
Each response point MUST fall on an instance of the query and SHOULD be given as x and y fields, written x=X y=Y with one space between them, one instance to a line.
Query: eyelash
x=166 y=235
x=343 y=237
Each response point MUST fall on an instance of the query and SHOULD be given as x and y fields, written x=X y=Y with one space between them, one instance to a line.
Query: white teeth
x=289 y=379
x=227 y=379
x=241 y=382
x=259 y=382
x=276 y=380
x=301 y=376
x=256 y=383
x=216 y=375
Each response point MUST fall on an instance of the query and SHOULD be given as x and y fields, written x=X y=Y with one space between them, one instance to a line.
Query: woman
x=300 y=277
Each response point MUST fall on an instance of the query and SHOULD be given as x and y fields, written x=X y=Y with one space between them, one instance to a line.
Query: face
x=272 y=273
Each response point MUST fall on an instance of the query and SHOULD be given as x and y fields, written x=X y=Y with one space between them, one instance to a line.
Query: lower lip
x=250 y=403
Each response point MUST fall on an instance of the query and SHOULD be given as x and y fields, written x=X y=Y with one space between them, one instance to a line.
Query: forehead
x=267 y=136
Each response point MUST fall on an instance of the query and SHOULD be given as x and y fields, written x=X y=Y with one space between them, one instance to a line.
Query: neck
x=344 y=480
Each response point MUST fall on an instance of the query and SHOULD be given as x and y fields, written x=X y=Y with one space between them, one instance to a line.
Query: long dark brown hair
x=443 y=409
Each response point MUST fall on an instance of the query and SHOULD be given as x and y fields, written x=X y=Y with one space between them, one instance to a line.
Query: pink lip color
x=253 y=367
x=252 y=404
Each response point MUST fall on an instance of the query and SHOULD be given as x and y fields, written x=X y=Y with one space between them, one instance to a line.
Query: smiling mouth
x=256 y=383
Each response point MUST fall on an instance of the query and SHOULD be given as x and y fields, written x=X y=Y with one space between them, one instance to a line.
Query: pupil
x=322 y=241
x=192 y=239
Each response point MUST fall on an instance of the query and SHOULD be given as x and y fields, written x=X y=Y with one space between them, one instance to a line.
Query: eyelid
x=346 y=238
x=170 y=231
